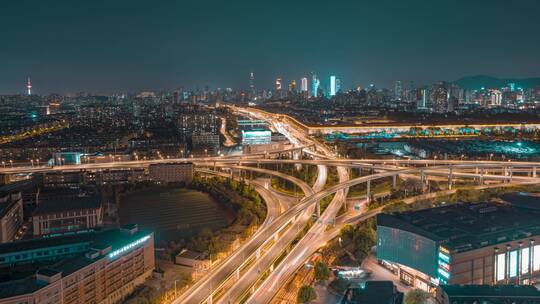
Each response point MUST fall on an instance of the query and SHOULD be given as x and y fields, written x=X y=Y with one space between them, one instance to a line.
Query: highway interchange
x=264 y=263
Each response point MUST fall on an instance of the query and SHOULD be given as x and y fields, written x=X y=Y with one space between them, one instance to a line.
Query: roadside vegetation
x=236 y=196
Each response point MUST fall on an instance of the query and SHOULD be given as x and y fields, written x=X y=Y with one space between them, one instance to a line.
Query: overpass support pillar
x=258 y=254
x=214 y=166
x=272 y=267
x=534 y=172
x=481 y=179
x=394 y=182
x=422 y=181
x=450 y=177
x=511 y=173
x=318 y=206
x=276 y=237
x=237 y=274
x=368 y=191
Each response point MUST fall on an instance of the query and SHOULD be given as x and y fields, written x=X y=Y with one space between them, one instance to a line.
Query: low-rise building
x=484 y=243
x=373 y=292
x=120 y=176
x=196 y=260
x=171 y=172
x=62 y=179
x=256 y=137
x=11 y=215
x=95 y=267
x=60 y=215
x=467 y=294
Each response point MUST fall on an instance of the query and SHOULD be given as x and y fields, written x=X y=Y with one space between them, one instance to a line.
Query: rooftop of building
x=63 y=204
x=7 y=201
x=116 y=239
x=190 y=254
x=485 y=292
x=374 y=292
x=462 y=227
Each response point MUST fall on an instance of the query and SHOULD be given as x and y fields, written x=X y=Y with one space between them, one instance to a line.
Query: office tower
x=421 y=98
x=304 y=84
x=292 y=86
x=278 y=84
x=29 y=86
x=252 y=84
x=332 y=85
x=314 y=84
x=440 y=97
x=338 y=85
x=397 y=90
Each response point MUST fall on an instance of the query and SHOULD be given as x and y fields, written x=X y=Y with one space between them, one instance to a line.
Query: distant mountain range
x=479 y=81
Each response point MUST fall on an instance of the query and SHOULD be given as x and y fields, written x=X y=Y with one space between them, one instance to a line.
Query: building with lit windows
x=171 y=172
x=11 y=215
x=65 y=214
x=304 y=84
x=256 y=137
x=332 y=85
x=484 y=243
x=90 y=267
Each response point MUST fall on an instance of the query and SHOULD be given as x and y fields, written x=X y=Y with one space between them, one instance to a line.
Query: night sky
x=68 y=46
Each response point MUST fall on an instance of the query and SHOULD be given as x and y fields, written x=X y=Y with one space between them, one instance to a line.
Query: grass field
x=173 y=213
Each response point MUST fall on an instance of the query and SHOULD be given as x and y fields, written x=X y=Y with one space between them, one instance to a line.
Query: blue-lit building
x=256 y=137
x=83 y=267
x=332 y=85
x=485 y=243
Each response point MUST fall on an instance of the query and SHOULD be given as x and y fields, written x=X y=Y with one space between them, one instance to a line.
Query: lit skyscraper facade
x=304 y=84
x=332 y=85
x=314 y=84
x=252 y=84
x=29 y=86
x=292 y=86
x=338 y=85
x=278 y=84
x=398 y=90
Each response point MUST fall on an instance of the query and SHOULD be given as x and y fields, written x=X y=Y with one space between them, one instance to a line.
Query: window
x=525 y=257
x=501 y=261
x=512 y=268
x=536 y=258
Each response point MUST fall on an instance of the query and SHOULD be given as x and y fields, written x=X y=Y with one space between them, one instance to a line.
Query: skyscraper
x=292 y=86
x=338 y=85
x=278 y=84
x=252 y=84
x=304 y=84
x=314 y=84
x=332 y=85
x=29 y=86
x=397 y=90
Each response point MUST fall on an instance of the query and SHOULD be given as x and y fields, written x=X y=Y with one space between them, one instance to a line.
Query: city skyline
x=360 y=42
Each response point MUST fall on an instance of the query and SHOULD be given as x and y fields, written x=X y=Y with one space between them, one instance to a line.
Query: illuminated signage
x=444 y=273
x=444 y=257
x=128 y=247
x=444 y=265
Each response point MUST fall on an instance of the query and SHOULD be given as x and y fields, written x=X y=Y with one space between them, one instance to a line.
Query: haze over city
x=118 y=46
